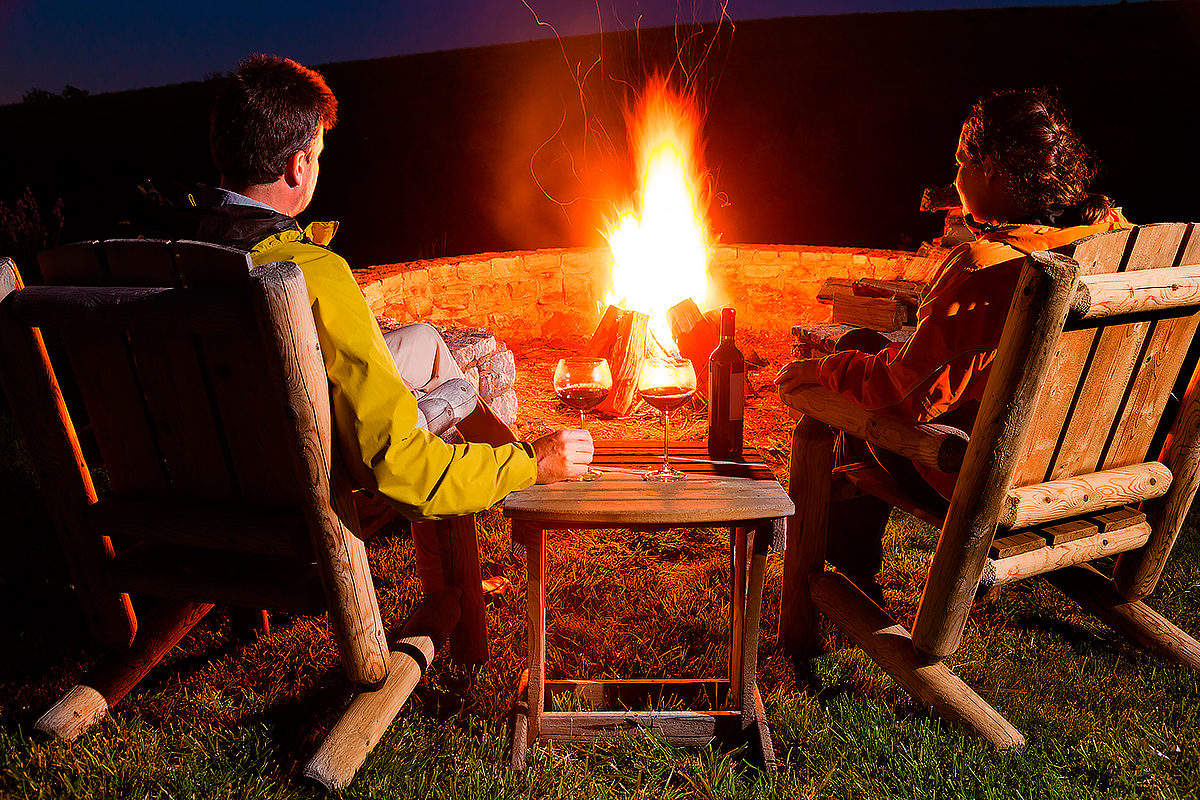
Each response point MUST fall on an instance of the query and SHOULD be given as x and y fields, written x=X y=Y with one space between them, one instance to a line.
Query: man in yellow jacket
x=267 y=135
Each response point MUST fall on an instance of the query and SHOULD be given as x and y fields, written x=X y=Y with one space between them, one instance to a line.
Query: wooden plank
x=1138 y=292
x=1015 y=544
x=1118 y=519
x=206 y=265
x=254 y=422
x=78 y=264
x=876 y=313
x=1164 y=356
x=676 y=727
x=107 y=381
x=628 y=693
x=833 y=287
x=1068 y=531
x=171 y=380
x=737 y=610
x=126 y=308
x=1058 y=396
x=1118 y=352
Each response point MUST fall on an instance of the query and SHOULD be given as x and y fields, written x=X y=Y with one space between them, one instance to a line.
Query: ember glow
x=661 y=248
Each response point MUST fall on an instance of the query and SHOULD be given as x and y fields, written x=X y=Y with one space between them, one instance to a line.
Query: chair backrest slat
x=1165 y=354
x=172 y=379
x=1099 y=370
x=1068 y=364
x=108 y=382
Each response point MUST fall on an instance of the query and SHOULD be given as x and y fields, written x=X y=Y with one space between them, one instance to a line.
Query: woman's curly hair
x=1030 y=140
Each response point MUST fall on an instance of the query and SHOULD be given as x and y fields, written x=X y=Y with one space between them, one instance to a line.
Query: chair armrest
x=939 y=447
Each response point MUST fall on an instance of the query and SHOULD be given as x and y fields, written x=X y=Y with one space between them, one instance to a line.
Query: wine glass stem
x=582 y=424
x=666 y=423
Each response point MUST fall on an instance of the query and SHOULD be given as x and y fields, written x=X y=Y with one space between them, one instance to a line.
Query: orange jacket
x=944 y=366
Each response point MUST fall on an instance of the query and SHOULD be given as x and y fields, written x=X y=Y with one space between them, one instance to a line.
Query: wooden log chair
x=206 y=398
x=1070 y=460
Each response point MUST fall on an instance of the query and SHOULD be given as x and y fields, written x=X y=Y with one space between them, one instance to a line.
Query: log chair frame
x=164 y=333
x=1091 y=314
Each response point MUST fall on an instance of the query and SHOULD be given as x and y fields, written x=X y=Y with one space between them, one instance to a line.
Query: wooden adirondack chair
x=207 y=399
x=1066 y=446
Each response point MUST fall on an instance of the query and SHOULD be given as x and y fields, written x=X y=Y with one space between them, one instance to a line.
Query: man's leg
x=424 y=362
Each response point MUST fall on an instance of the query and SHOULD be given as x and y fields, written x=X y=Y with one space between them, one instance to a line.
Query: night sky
x=111 y=46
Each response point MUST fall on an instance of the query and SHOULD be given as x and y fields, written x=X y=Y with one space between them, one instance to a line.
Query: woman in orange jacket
x=1024 y=178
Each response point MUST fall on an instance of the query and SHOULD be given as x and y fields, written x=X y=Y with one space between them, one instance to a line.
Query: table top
x=711 y=493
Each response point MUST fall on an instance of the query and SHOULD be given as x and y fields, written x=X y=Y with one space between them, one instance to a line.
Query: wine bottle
x=726 y=393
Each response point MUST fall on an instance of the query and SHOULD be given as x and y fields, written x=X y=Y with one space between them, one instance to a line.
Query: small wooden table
x=746 y=499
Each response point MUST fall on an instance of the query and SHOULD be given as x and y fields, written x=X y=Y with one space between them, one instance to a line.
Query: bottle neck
x=727 y=325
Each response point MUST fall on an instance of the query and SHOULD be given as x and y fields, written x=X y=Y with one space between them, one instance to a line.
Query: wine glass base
x=663 y=475
x=590 y=475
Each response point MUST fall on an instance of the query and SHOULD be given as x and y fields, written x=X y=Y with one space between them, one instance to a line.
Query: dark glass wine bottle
x=726 y=394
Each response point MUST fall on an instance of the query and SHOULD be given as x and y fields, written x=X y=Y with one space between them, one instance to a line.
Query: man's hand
x=797 y=374
x=564 y=454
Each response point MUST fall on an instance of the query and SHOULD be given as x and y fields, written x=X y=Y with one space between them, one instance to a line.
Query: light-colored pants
x=444 y=396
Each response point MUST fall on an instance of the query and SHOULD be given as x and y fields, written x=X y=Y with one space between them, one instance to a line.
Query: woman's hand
x=797 y=374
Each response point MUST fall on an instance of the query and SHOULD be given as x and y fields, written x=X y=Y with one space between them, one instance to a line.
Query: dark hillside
x=821 y=130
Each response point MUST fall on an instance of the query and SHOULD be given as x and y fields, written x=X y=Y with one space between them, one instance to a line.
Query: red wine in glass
x=583 y=383
x=666 y=383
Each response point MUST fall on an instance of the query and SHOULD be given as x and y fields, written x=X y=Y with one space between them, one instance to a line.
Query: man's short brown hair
x=271 y=108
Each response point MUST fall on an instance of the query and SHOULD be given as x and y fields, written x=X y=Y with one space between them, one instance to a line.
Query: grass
x=231 y=716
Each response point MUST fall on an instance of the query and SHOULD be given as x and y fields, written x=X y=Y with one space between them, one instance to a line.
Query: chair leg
x=890 y=646
x=1154 y=632
x=808 y=485
x=107 y=683
x=364 y=722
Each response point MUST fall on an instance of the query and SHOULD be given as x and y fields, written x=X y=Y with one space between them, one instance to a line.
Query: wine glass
x=583 y=383
x=666 y=383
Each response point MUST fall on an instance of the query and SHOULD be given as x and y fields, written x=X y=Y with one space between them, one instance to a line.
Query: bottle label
x=737 y=394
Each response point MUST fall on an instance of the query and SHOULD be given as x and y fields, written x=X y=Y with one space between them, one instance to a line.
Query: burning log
x=621 y=338
x=695 y=336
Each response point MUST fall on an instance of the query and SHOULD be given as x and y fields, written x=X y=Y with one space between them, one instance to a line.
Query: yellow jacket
x=374 y=412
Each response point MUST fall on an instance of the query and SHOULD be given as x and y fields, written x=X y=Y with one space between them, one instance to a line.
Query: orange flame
x=661 y=249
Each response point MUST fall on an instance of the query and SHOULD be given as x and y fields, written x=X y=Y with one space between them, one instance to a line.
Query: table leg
x=737 y=611
x=759 y=542
x=753 y=715
x=520 y=740
x=535 y=591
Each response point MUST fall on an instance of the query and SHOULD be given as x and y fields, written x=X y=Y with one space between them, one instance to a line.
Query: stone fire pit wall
x=560 y=292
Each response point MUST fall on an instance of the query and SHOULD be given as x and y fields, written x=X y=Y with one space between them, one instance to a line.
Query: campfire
x=661 y=250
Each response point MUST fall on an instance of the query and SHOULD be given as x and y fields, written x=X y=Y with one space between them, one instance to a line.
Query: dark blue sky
x=109 y=46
